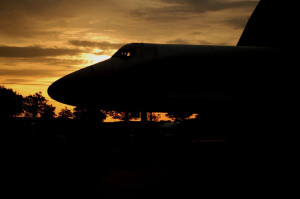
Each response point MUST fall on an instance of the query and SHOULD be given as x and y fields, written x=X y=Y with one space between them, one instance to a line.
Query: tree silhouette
x=65 y=114
x=79 y=112
x=86 y=113
x=153 y=117
x=48 y=111
x=124 y=116
x=36 y=106
x=179 y=116
x=10 y=103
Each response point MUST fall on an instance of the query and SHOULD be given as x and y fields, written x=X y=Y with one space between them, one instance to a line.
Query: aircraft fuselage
x=161 y=77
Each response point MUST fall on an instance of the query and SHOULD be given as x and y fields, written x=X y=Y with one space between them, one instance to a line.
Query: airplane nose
x=73 y=89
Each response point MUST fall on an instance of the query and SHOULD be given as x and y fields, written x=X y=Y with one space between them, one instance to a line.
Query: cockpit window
x=125 y=53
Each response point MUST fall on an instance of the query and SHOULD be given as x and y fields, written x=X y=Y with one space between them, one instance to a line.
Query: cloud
x=212 y=5
x=236 y=23
x=47 y=18
x=28 y=73
x=178 y=41
x=165 y=14
x=185 y=9
x=71 y=33
x=28 y=82
x=45 y=61
x=80 y=21
x=35 y=51
x=105 y=46
x=196 y=33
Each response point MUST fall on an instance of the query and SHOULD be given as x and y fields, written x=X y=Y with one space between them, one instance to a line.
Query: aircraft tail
x=267 y=27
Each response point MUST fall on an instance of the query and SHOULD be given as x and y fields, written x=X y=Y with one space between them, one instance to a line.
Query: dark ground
x=68 y=158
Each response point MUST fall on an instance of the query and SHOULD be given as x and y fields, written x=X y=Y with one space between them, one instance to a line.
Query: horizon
x=160 y=116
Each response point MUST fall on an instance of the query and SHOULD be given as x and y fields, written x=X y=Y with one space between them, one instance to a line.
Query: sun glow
x=93 y=59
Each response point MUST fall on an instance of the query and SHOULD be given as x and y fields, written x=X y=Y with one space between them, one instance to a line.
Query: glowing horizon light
x=101 y=58
x=93 y=59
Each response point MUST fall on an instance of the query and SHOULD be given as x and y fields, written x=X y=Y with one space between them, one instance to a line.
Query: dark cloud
x=212 y=5
x=178 y=41
x=29 y=73
x=45 y=61
x=62 y=20
x=90 y=24
x=9 y=81
x=31 y=18
x=184 y=9
x=236 y=23
x=105 y=46
x=28 y=82
x=163 y=14
x=196 y=33
x=48 y=9
x=205 y=42
x=35 y=51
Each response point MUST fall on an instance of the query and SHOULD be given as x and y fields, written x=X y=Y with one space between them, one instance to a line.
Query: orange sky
x=41 y=41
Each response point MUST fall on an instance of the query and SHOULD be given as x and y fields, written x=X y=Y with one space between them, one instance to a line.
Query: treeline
x=13 y=104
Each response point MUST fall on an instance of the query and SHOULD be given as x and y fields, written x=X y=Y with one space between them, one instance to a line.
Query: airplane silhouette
x=239 y=91
x=163 y=77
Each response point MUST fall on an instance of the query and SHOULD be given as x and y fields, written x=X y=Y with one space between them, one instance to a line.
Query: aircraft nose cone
x=73 y=89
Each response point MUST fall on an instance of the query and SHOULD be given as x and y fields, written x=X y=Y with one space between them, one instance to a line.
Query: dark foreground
x=67 y=159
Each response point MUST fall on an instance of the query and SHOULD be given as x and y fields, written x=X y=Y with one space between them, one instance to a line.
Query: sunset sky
x=43 y=40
